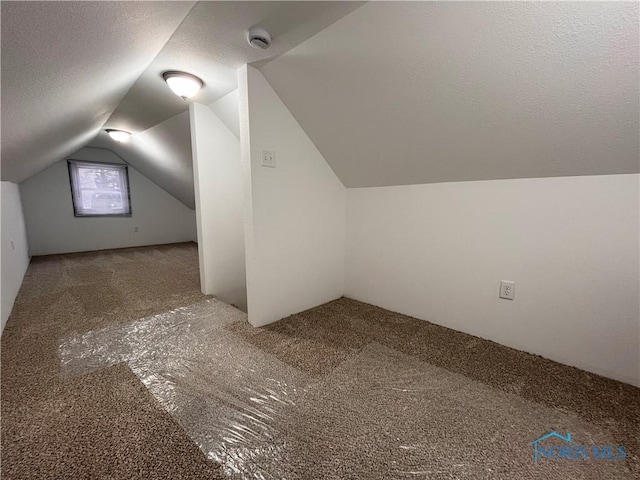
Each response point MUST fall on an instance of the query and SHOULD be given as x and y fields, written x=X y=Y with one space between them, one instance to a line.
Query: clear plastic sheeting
x=380 y=414
x=230 y=397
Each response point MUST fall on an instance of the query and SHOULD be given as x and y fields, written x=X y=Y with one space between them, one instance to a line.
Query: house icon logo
x=554 y=446
x=537 y=441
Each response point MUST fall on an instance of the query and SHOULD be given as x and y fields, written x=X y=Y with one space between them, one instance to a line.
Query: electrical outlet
x=268 y=159
x=507 y=289
x=136 y=229
x=13 y=245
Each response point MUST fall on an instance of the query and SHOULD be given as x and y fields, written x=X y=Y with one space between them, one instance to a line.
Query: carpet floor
x=104 y=425
x=115 y=366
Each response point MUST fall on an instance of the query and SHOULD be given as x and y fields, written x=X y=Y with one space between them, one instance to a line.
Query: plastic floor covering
x=380 y=414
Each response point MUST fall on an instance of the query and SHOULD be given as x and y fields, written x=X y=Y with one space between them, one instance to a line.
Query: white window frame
x=77 y=190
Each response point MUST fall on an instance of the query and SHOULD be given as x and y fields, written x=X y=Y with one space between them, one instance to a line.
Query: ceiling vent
x=259 y=38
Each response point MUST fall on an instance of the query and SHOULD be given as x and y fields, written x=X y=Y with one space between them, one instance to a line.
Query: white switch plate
x=507 y=289
x=268 y=159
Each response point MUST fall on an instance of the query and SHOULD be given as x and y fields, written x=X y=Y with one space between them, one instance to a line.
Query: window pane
x=99 y=189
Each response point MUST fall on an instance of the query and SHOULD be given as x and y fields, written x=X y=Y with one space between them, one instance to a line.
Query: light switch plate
x=268 y=159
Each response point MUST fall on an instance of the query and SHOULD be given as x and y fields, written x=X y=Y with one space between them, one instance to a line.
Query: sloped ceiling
x=65 y=68
x=391 y=93
x=420 y=92
x=211 y=44
x=161 y=153
x=71 y=69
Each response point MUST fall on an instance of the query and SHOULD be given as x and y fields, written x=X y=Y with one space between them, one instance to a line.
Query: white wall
x=295 y=213
x=15 y=258
x=219 y=206
x=439 y=251
x=227 y=110
x=52 y=227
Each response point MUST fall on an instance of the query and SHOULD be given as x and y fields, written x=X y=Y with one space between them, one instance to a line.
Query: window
x=99 y=189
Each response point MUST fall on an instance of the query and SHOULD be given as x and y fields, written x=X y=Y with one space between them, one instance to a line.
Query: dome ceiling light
x=183 y=84
x=119 y=135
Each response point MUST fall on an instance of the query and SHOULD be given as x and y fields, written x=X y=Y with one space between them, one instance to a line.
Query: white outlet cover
x=507 y=289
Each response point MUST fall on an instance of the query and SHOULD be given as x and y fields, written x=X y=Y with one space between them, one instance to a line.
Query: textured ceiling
x=211 y=44
x=391 y=93
x=420 y=92
x=65 y=68
x=71 y=69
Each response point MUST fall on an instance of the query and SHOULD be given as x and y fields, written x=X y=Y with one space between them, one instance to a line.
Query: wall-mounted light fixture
x=118 y=135
x=182 y=84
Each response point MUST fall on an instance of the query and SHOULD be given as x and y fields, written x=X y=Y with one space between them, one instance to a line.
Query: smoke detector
x=258 y=38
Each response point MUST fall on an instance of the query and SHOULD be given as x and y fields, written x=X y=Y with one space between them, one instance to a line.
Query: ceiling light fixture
x=119 y=135
x=183 y=84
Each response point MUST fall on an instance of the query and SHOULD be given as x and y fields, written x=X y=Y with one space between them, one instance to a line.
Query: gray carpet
x=345 y=390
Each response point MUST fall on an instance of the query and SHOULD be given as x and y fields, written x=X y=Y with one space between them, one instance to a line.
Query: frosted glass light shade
x=119 y=135
x=183 y=84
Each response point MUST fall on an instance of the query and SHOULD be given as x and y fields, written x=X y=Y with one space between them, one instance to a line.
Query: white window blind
x=99 y=189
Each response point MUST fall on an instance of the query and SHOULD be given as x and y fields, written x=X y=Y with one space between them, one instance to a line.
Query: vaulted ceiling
x=391 y=93
x=72 y=69
x=65 y=68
